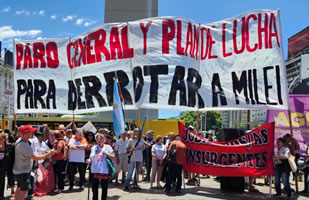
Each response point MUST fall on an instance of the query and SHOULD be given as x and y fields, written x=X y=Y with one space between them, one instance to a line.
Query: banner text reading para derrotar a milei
x=163 y=62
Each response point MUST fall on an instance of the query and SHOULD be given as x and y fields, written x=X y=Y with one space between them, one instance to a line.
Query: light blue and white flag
x=118 y=116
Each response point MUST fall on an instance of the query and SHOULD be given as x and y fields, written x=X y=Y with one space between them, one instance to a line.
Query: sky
x=33 y=19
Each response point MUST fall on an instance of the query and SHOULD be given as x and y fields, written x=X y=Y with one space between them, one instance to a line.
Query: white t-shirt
x=35 y=145
x=98 y=160
x=159 y=150
x=76 y=155
x=42 y=150
x=121 y=146
x=138 y=151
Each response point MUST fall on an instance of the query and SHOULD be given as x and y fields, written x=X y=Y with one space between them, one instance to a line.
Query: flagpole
x=123 y=104
x=125 y=111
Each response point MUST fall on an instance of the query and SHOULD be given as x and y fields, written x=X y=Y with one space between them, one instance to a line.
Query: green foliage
x=213 y=118
x=189 y=117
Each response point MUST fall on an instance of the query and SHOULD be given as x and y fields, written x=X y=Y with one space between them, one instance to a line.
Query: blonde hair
x=100 y=135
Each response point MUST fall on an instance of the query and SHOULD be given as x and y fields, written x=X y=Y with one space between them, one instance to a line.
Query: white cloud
x=7 y=32
x=42 y=12
x=7 y=9
x=34 y=12
x=22 y=12
x=68 y=18
x=89 y=23
x=79 y=21
x=53 y=16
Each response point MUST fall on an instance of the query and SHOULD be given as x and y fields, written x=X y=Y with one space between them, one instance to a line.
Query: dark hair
x=7 y=131
x=89 y=133
x=282 y=140
x=286 y=136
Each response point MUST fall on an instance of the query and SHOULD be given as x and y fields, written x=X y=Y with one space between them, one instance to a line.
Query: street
x=209 y=189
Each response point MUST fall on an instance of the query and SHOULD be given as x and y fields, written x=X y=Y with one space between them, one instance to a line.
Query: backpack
x=171 y=156
x=11 y=154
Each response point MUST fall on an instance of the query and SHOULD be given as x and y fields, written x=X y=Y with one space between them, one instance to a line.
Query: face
x=102 y=140
x=69 y=134
x=160 y=141
x=40 y=137
x=124 y=135
x=280 y=144
x=78 y=134
x=136 y=133
x=52 y=136
x=90 y=137
x=150 y=135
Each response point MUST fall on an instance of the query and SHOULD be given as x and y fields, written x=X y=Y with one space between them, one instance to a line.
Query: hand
x=45 y=125
x=132 y=149
x=52 y=152
x=88 y=161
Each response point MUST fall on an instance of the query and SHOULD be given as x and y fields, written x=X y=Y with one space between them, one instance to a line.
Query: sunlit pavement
x=209 y=189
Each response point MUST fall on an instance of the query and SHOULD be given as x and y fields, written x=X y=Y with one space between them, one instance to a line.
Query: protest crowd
x=28 y=155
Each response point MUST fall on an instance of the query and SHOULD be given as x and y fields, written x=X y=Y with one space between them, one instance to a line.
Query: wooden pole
x=15 y=123
x=197 y=132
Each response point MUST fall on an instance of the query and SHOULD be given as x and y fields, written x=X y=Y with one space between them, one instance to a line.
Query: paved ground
x=209 y=189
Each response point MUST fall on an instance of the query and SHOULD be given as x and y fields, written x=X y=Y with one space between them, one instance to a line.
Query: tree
x=213 y=118
x=189 y=117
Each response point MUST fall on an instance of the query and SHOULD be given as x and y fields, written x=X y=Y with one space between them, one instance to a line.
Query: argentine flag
x=118 y=116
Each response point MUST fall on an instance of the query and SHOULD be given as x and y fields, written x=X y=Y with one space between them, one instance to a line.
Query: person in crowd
x=149 y=141
x=158 y=155
x=109 y=140
x=175 y=169
x=51 y=140
x=91 y=143
x=35 y=145
x=170 y=138
x=10 y=138
x=135 y=148
x=209 y=137
x=99 y=166
x=291 y=143
x=121 y=157
x=58 y=160
x=23 y=161
x=6 y=164
x=77 y=146
x=282 y=167
x=306 y=172
x=67 y=137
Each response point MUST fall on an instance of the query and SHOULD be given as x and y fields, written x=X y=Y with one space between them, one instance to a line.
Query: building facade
x=124 y=11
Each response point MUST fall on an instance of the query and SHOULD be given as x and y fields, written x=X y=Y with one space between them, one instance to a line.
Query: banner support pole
x=270 y=185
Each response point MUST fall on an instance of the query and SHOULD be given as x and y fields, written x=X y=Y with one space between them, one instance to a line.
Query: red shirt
x=180 y=151
x=59 y=156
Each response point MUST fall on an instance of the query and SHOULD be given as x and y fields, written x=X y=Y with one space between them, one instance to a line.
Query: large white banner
x=161 y=63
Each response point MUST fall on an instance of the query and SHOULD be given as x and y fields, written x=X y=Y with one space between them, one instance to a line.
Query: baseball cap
x=27 y=128
x=150 y=132
x=61 y=127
